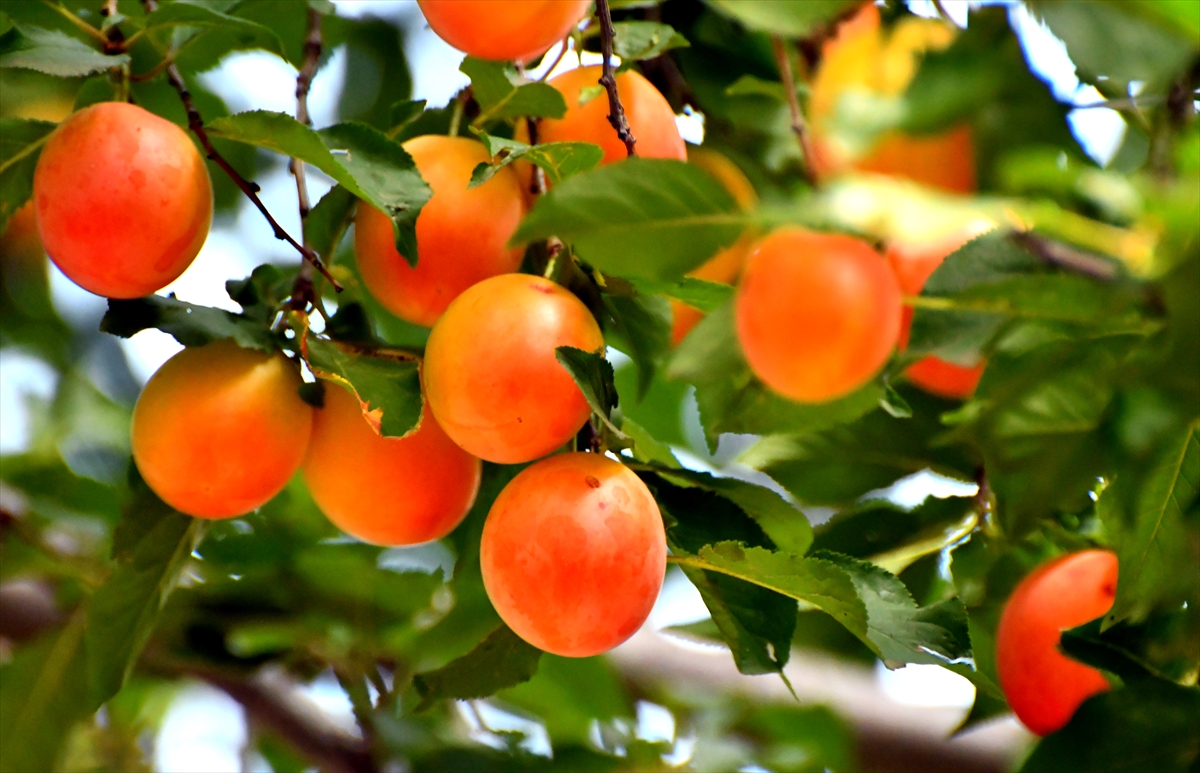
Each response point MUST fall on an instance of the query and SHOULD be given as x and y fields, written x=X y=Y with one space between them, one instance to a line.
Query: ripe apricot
x=514 y=29
x=491 y=374
x=649 y=114
x=817 y=314
x=386 y=490
x=725 y=266
x=573 y=554
x=913 y=264
x=123 y=200
x=219 y=430
x=1044 y=686
x=462 y=235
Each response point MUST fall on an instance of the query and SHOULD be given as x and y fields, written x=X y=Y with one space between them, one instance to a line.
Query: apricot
x=573 y=554
x=650 y=117
x=1044 y=686
x=462 y=235
x=913 y=264
x=123 y=200
x=514 y=29
x=817 y=315
x=725 y=266
x=219 y=430
x=385 y=490
x=491 y=374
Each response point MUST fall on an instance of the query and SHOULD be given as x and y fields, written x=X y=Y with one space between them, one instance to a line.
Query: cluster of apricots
x=573 y=549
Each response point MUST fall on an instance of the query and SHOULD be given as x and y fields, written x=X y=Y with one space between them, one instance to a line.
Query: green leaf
x=1152 y=546
x=568 y=694
x=263 y=292
x=403 y=113
x=559 y=160
x=1147 y=725
x=383 y=380
x=249 y=34
x=594 y=376
x=649 y=218
x=365 y=161
x=899 y=630
x=151 y=546
x=54 y=53
x=893 y=537
x=731 y=399
x=640 y=40
x=191 y=325
x=640 y=326
x=501 y=93
x=697 y=293
x=748 y=85
x=501 y=660
x=21 y=141
x=783 y=17
x=326 y=224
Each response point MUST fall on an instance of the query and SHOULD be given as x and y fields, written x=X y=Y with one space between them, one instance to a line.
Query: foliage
x=1082 y=432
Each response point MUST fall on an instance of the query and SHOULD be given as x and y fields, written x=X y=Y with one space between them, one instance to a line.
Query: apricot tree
x=530 y=357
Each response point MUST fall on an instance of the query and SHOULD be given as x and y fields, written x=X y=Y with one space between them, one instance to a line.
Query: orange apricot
x=817 y=314
x=491 y=374
x=514 y=29
x=387 y=490
x=219 y=430
x=573 y=554
x=913 y=264
x=1043 y=686
x=123 y=199
x=462 y=234
x=725 y=266
x=650 y=117
x=945 y=160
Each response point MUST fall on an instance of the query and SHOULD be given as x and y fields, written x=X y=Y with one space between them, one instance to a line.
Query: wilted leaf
x=386 y=382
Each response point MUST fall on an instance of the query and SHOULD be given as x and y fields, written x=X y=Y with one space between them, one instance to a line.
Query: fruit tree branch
x=196 y=124
x=784 y=61
x=616 y=113
x=302 y=289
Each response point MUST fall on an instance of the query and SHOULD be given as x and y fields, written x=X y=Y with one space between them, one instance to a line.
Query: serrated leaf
x=54 y=53
x=501 y=660
x=21 y=141
x=249 y=34
x=501 y=93
x=386 y=382
x=640 y=217
x=593 y=375
x=731 y=399
x=191 y=325
x=638 y=40
x=151 y=545
x=364 y=160
x=783 y=17
x=559 y=160
x=641 y=327
x=697 y=293
x=326 y=224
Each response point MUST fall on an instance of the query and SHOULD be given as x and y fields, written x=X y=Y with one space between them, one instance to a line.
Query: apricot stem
x=616 y=113
x=784 y=60
x=196 y=124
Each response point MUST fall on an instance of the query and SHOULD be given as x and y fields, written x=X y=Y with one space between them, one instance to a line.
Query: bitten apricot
x=725 y=266
x=123 y=200
x=491 y=374
x=462 y=235
x=385 y=490
x=573 y=554
x=817 y=314
x=219 y=430
x=1044 y=686
x=514 y=29
x=913 y=264
x=649 y=114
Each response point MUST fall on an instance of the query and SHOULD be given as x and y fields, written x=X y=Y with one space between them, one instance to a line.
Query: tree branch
x=784 y=61
x=303 y=293
x=196 y=124
x=616 y=113
x=1064 y=256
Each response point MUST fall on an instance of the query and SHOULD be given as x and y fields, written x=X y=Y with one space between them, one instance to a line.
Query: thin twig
x=1067 y=257
x=460 y=106
x=941 y=9
x=616 y=113
x=196 y=124
x=78 y=22
x=302 y=288
x=784 y=61
x=561 y=53
x=538 y=185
